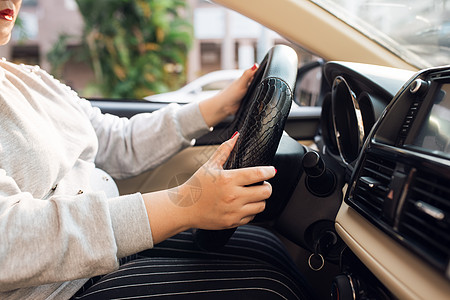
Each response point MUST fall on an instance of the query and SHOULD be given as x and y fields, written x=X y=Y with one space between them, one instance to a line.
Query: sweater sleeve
x=66 y=237
x=128 y=147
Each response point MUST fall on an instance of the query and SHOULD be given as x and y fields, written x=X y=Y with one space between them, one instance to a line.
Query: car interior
x=361 y=198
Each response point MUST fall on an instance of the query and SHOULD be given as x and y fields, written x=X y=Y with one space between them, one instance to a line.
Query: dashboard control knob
x=343 y=288
x=313 y=164
x=419 y=87
x=320 y=181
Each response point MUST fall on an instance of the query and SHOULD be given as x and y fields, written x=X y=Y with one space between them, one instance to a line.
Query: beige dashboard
x=406 y=276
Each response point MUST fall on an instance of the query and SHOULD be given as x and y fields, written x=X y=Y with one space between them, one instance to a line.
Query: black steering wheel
x=260 y=121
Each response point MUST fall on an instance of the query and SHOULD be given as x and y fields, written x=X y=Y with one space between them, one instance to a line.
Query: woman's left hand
x=227 y=102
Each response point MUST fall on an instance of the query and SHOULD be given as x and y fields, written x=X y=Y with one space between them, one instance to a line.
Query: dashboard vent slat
x=425 y=218
x=433 y=192
x=373 y=183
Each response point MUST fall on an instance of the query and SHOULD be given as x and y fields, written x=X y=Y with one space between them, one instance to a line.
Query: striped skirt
x=253 y=265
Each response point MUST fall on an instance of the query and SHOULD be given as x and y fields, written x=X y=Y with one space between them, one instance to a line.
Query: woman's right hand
x=224 y=199
x=213 y=198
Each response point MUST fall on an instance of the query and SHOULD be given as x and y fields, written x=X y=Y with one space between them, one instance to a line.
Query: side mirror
x=310 y=86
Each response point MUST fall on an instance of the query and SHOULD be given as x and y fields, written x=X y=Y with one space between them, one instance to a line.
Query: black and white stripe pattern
x=253 y=265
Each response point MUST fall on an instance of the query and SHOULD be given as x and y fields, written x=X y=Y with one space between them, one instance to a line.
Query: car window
x=98 y=52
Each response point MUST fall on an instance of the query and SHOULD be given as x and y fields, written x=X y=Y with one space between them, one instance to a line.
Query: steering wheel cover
x=260 y=122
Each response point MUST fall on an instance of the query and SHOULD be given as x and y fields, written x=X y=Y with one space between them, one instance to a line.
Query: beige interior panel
x=173 y=172
x=308 y=25
x=400 y=270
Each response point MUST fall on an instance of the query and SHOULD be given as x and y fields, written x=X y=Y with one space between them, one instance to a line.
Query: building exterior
x=43 y=22
x=226 y=40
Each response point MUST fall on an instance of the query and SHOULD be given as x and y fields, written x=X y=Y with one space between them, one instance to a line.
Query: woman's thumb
x=219 y=158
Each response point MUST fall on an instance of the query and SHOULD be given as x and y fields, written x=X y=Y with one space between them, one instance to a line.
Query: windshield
x=416 y=30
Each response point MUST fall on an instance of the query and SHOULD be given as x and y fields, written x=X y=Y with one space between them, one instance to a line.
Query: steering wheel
x=260 y=121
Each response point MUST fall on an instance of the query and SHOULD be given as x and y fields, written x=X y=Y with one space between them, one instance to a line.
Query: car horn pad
x=260 y=124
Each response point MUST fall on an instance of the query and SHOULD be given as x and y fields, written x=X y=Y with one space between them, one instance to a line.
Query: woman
x=62 y=223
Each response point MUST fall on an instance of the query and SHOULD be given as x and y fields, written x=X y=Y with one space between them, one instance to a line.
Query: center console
x=400 y=191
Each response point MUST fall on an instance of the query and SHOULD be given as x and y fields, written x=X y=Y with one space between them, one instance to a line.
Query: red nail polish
x=234 y=134
x=254 y=67
x=276 y=171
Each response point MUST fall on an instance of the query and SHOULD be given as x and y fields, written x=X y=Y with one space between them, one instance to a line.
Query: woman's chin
x=4 y=38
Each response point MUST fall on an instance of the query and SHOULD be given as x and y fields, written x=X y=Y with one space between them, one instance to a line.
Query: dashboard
x=387 y=134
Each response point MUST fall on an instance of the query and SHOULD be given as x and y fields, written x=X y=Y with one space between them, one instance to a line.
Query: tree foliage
x=59 y=55
x=136 y=47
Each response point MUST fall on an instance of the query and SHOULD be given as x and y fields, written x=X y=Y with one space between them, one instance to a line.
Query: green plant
x=136 y=47
x=59 y=55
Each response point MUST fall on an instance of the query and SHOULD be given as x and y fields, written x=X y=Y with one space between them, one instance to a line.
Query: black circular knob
x=313 y=164
x=343 y=288
x=320 y=181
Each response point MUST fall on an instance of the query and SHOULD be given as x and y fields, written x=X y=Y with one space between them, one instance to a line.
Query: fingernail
x=276 y=171
x=234 y=134
x=255 y=66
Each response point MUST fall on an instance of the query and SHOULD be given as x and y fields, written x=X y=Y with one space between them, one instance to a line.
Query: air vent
x=373 y=184
x=410 y=116
x=441 y=75
x=425 y=219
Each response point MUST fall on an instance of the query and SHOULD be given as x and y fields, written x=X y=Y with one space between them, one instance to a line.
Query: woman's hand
x=225 y=197
x=227 y=102
x=213 y=198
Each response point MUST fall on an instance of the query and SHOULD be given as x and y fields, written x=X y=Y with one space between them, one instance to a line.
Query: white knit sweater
x=57 y=223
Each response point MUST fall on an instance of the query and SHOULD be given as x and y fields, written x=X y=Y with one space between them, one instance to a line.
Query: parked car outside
x=201 y=88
